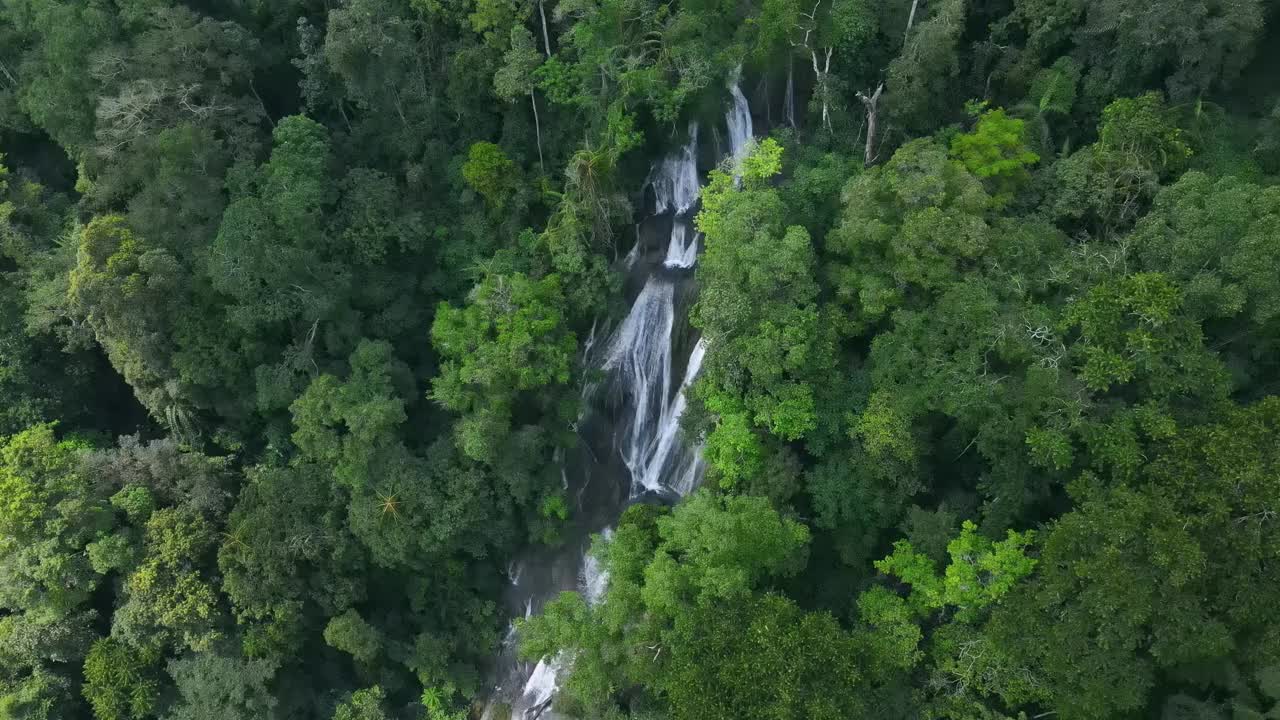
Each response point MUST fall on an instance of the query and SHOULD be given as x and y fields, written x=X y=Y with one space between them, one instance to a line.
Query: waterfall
x=595 y=579
x=640 y=355
x=682 y=252
x=652 y=450
x=668 y=459
x=739 y=120
x=540 y=689
x=675 y=179
x=675 y=190
x=543 y=681
x=639 y=362
x=690 y=476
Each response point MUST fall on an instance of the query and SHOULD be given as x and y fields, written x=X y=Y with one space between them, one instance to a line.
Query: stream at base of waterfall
x=646 y=457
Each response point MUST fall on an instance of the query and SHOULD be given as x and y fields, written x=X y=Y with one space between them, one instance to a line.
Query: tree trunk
x=790 y=110
x=13 y=82
x=911 y=19
x=537 y=127
x=254 y=90
x=872 y=104
x=546 y=39
x=343 y=112
x=826 y=90
x=823 y=74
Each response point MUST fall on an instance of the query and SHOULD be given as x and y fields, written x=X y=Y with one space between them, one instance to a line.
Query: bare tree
x=821 y=72
x=911 y=19
x=546 y=38
x=871 y=99
x=537 y=127
x=872 y=104
x=11 y=81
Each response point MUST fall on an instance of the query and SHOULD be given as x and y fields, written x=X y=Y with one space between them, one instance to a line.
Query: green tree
x=1109 y=184
x=910 y=228
x=38 y=650
x=1211 y=237
x=1134 y=330
x=367 y=704
x=774 y=660
x=1142 y=580
x=51 y=512
x=510 y=341
x=170 y=598
x=269 y=254
x=42 y=695
x=350 y=633
x=415 y=511
x=161 y=473
x=120 y=681
x=768 y=344
x=218 y=687
x=43 y=378
x=345 y=423
x=996 y=150
x=489 y=172
x=689 y=582
x=55 y=92
x=720 y=548
x=921 y=79
x=1197 y=47
x=980 y=572
x=124 y=289
x=517 y=76
x=1189 y=48
x=964 y=665
x=288 y=559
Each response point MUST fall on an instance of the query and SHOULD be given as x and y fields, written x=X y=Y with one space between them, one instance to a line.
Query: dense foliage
x=294 y=298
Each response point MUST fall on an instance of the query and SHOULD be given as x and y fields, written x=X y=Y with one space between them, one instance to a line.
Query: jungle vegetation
x=293 y=295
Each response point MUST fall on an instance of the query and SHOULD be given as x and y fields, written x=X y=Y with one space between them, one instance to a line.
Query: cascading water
x=641 y=351
x=683 y=251
x=595 y=578
x=739 y=121
x=675 y=190
x=640 y=364
x=671 y=460
x=543 y=680
x=675 y=179
x=640 y=356
x=540 y=690
x=690 y=475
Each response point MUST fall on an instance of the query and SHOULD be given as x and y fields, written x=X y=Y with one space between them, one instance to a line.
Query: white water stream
x=675 y=189
x=640 y=362
x=739 y=121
